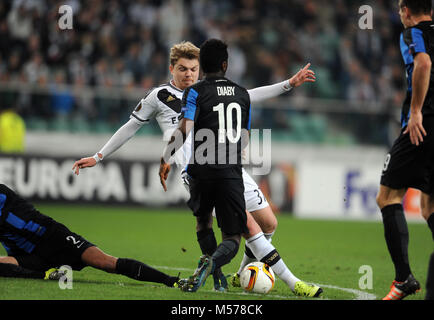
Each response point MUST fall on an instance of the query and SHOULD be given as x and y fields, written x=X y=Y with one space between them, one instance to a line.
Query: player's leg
x=95 y=257
x=396 y=234
x=267 y=222
x=9 y=267
x=427 y=208
x=265 y=252
x=430 y=280
x=227 y=197
x=258 y=206
x=395 y=229
x=208 y=245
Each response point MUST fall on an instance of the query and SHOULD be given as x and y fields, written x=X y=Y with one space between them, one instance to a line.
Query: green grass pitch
x=325 y=252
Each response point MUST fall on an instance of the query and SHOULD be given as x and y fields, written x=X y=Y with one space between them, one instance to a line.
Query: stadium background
x=74 y=88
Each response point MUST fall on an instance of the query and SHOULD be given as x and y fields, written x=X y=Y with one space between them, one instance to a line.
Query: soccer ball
x=257 y=277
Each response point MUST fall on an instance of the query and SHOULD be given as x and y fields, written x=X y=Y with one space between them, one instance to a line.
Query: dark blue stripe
x=190 y=108
x=15 y=221
x=21 y=242
x=21 y=224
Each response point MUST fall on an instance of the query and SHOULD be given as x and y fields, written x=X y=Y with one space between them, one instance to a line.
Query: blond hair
x=185 y=49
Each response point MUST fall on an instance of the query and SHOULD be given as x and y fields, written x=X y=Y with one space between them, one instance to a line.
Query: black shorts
x=411 y=166
x=226 y=196
x=60 y=247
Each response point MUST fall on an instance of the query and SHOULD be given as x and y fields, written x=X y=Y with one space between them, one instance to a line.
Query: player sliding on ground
x=164 y=104
x=37 y=246
x=216 y=184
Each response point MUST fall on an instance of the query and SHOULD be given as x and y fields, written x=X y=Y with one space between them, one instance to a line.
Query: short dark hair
x=213 y=53
x=418 y=6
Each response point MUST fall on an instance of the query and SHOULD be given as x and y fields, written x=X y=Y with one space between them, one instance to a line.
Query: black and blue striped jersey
x=220 y=110
x=414 y=40
x=21 y=225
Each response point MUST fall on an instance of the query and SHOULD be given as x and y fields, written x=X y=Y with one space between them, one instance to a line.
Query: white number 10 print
x=230 y=131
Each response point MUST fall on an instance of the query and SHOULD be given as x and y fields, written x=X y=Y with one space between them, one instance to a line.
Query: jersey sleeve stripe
x=418 y=43
x=190 y=107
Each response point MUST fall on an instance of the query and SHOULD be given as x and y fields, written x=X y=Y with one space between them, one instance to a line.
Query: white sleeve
x=146 y=109
x=124 y=133
x=267 y=92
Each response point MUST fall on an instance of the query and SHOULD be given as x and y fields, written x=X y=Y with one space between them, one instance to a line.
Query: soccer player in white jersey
x=164 y=104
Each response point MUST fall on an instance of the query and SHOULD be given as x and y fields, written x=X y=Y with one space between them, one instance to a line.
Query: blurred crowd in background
x=120 y=44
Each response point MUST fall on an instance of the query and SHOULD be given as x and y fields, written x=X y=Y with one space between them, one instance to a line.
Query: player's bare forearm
x=176 y=142
x=177 y=139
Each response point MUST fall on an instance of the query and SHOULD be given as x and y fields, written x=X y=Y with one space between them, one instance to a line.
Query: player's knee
x=96 y=258
x=426 y=210
x=426 y=206
x=380 y=200
x=269 y=226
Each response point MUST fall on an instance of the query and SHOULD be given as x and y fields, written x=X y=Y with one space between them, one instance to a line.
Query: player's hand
x=415 y=128
x=83 y=163
x=302 y=76
x=164 y=172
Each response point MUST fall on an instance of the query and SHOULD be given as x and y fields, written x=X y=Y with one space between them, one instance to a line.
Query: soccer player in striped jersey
x=37 y=246
x=409 y=163
x=164 y=104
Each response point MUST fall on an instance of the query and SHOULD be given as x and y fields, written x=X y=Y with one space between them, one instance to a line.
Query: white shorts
x=253 y=196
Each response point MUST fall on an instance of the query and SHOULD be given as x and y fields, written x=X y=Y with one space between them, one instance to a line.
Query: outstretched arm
x=274 y=90
x=121 y=136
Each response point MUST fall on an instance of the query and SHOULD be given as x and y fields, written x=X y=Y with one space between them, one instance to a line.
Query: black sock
x=207 y=241
x=225 y=252
x=14 y=271
x=396 y=234
x=430 y=222
x=430 y=279
x=139 y=271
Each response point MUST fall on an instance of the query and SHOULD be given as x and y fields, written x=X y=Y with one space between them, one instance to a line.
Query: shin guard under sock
x=396 y=235
x=139 y=271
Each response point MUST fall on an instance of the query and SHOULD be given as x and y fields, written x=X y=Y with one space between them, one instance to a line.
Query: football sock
x=430 y=280
x=249 y=257
x=396 y=234
x=224 y=253
x=139 y=271
x=267 y=253
x=12 y=270
x=431 y=224
x=207 y=241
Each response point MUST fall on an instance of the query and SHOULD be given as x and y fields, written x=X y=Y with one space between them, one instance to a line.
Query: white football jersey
x=164 y=104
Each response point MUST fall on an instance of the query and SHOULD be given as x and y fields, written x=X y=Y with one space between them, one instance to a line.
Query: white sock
x=246 y=259
x=261 y=247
